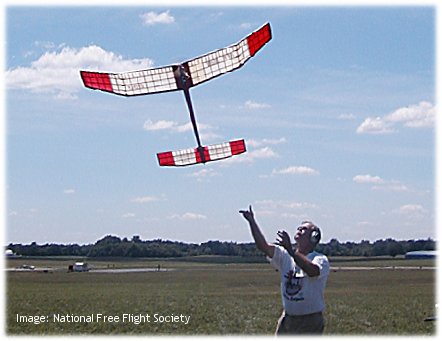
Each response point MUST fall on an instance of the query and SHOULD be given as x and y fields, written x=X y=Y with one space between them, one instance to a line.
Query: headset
x=315 y=236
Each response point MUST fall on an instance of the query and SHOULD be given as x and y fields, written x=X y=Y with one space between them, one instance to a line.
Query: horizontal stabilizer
x=192 y=156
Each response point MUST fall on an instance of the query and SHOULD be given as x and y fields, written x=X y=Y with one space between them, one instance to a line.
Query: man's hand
x=248 y=215
x=284 y=241
x=259 y=238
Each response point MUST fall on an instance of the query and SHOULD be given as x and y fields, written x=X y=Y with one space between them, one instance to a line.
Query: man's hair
x=315 y=235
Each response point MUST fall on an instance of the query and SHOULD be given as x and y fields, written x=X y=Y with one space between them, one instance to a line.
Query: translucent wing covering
x=132 y=83
x=216 y=63
x=170 y=78
x=192 y=156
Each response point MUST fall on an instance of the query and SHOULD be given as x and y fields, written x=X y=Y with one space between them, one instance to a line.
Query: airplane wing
x=133 y=83
x=170 y=78
x=214 y=64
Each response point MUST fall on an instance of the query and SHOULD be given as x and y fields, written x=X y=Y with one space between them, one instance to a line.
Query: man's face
x=303 y=233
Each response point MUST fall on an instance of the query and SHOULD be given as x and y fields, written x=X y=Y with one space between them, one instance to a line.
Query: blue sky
x=337 y=110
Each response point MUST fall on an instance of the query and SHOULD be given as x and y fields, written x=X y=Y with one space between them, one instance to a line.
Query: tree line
x=113 y=246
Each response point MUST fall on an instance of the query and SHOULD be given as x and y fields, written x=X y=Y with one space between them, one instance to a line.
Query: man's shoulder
x=317 y=255
x=280 y=255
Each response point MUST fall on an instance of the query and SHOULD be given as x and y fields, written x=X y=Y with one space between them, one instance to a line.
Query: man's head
x=307 y=235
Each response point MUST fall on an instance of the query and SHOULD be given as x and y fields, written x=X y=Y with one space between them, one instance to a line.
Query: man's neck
x=305 y=251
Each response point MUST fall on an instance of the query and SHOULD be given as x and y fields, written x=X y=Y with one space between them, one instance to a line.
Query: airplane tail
x=191 y=156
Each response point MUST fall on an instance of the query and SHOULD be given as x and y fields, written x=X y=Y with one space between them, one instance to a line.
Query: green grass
x=221 y=299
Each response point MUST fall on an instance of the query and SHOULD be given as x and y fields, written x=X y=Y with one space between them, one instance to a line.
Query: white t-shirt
x=300 y=293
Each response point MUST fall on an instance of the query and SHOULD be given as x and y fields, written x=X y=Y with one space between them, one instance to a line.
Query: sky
x=337 y=111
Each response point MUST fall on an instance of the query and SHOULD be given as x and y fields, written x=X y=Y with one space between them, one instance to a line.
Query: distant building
x=423 y=254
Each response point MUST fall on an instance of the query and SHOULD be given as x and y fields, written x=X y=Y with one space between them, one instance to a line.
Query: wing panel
x=96 y=80
x=258 y=39
x=228 y=59
x=227 y=149
x=166 y=159
x=219 y=62
x=144 y=82
x=237 y=147
x=134 y=83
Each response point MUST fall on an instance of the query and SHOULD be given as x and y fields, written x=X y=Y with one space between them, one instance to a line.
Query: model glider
x=183 y=77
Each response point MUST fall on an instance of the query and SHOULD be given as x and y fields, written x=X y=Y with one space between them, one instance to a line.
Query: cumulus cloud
x=204 y=174
x=57 y=72
x=188 y=216
x=379 y=184
x=128 y=215
x=414 y=116
x=255 y=105
x=346 y=117
x=392 y=186
x=173 y=126
x=246 y=26
x=259 y=143
x=295 y=170
x=145 y=199
x=284 y=208
x=254 y=155
x=367 y=179
x=411 y=209
x=154 y=18
x=149 y=125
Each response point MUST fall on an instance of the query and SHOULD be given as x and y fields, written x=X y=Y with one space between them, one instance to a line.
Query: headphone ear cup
x=315 y=236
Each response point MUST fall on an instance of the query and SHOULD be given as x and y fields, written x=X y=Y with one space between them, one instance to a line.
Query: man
x=303 y=276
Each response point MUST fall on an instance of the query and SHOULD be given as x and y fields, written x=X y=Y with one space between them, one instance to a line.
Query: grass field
x=219 y=297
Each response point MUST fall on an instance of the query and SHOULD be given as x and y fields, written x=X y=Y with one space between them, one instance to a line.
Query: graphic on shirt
x=293 y=287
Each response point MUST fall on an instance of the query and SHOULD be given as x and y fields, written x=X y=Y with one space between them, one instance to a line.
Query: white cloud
x=145 y=199
x=246 y=26
x=149 y=125
x=346 y=117
x=128 y=215
x=69 y=191
x=411 y=211
x=284 y=208
x=204 y=174
x=154 y=18
x=380 y=184
x=173 y=126
x=255 y=105
x=295 y=170
x=262 y=153
x=393 y=186
x=414 y=116
x=367 y=179
x=375 y=125
x=259 y=143
x=58 y=72
x=188 y=216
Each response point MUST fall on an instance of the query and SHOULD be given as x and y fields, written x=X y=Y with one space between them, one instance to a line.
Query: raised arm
x=260 y=241
x=300 y=259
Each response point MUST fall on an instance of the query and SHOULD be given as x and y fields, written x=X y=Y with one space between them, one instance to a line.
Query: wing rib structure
x=191 y=156
x=183 y=77
x=164 y=79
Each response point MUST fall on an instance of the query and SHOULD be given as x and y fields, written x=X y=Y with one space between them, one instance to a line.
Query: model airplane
x=183 y=77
